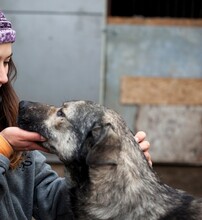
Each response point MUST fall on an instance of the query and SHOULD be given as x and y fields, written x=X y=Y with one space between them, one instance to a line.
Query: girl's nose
x=3 y=74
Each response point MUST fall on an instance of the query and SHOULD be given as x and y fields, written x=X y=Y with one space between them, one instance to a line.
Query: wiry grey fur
x=111 y=179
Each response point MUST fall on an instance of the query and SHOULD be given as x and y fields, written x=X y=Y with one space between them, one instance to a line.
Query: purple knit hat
x=7 y=34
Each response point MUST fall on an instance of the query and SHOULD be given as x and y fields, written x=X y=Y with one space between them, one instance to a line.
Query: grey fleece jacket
x=32 y=189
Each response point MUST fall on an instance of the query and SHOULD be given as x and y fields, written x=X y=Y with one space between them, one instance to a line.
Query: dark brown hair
x=9 y=106
x=9 y=99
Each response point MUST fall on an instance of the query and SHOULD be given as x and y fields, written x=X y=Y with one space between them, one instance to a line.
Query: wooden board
x=154 y=21
x=155 y=90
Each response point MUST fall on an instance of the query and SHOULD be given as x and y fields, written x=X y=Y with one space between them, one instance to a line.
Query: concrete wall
x=58 y=48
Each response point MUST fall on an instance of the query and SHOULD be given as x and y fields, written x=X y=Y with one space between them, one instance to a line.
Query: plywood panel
x=157 y=90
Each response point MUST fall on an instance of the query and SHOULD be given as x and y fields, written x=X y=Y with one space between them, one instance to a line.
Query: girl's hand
x=145 y=145
x=22 y=140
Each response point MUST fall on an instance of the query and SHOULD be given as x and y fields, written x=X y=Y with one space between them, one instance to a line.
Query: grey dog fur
x=110 y=176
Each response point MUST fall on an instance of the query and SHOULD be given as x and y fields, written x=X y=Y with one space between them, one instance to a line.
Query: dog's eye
x=60 y=113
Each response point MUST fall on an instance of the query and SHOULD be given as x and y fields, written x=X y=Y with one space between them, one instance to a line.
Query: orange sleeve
x=5 y=147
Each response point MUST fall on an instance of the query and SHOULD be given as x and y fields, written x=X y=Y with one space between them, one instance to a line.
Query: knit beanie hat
x=7 y=34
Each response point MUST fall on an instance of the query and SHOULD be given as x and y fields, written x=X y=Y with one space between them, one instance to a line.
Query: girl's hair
x=9 y=107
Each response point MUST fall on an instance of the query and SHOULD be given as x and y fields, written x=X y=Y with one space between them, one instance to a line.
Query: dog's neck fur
x=128 y=193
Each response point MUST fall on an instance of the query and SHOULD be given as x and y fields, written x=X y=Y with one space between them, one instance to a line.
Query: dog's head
x=76 y=130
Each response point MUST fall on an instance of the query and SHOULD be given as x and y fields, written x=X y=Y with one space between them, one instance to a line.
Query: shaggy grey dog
x=111 y=179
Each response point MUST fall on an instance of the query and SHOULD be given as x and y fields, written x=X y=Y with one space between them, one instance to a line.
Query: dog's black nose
x=24 y=107
x=23 y=104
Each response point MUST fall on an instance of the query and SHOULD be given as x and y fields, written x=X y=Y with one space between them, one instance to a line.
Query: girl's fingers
x=144 y=145
x=148 y=156
x=140 y=136
x=31 y=136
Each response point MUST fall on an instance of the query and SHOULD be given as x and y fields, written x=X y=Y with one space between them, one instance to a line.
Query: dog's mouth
x=25 y=123
x=30 y=125
x=47 y=146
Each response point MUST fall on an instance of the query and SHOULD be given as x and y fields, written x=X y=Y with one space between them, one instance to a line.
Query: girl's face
x=5 y=56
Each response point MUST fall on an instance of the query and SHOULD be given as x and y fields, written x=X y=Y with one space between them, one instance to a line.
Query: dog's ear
x=105 y=148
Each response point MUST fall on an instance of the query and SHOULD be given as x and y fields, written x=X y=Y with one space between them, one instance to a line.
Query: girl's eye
x=60 y=113
x=6 y=62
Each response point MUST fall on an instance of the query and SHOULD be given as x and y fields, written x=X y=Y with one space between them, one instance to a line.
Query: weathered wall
x=175 y=132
